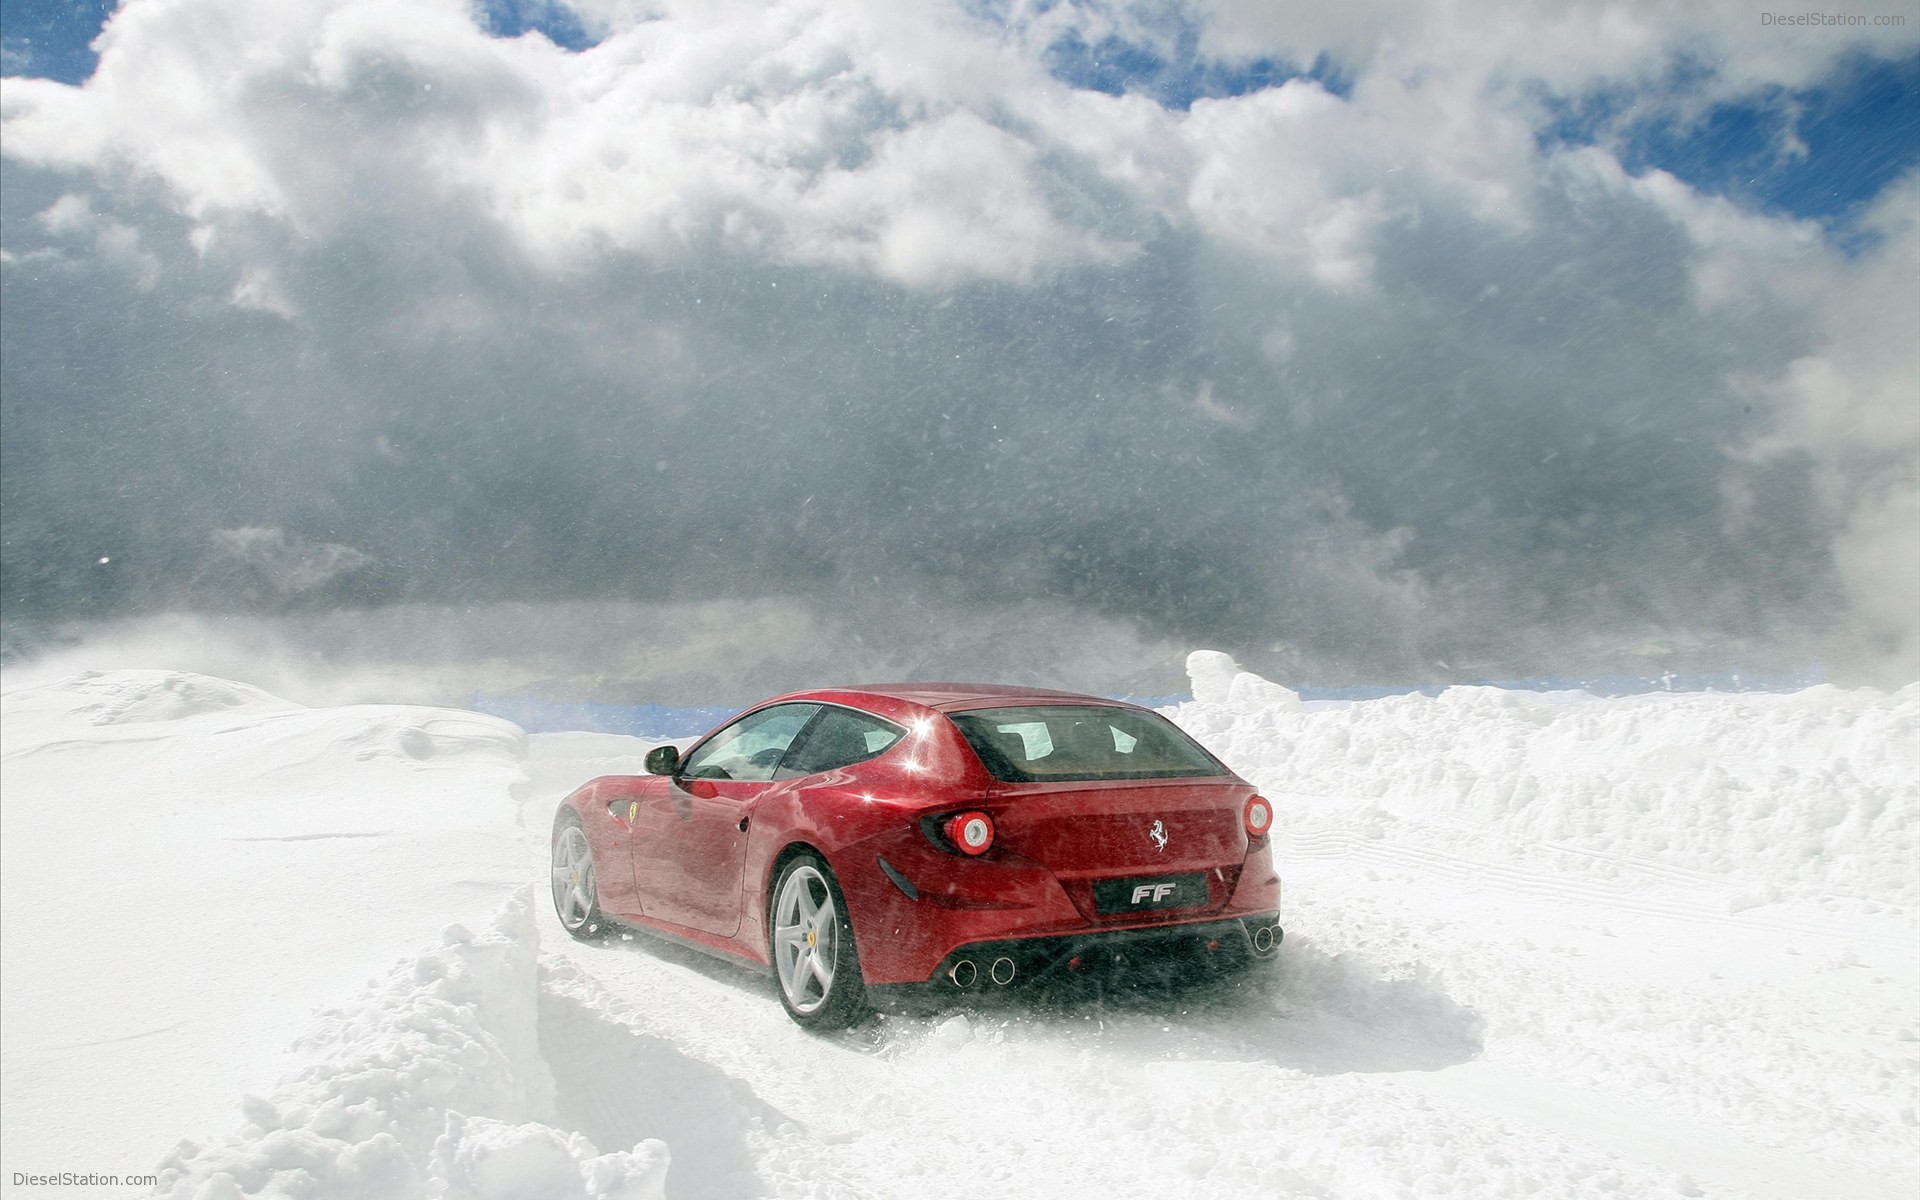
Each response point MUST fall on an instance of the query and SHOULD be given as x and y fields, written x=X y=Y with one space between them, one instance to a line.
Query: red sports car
x=857 y=839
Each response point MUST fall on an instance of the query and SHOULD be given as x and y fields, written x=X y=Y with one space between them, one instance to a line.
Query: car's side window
x=840 y=738
x=750 y=748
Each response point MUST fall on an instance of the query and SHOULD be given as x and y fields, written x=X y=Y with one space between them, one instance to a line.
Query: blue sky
x=50 y=38
x=1819 y=152
x=1177 y=79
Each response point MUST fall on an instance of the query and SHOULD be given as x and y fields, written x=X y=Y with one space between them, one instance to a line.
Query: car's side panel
x=689 y=849
x=814 y=811
x=606 y=807
x=834 y=811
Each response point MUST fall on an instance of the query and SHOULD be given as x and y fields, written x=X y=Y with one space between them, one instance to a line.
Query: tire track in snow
x=1271 y=1087
x=620 y=1086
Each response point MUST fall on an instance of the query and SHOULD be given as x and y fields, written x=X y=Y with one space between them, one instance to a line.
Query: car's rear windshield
x=1037 y=743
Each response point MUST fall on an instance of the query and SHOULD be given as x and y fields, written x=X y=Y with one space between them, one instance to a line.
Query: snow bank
x=131 y=697
x=126 y=704
x=1814 y=794
x=189 y=867
x=429 y=1084
x=80 y=712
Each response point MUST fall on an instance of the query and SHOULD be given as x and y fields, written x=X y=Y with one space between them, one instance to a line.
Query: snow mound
x=421 y=737
x=429 y=1084
x=1812 y=795
x=1217 y=679
x=139 y=696
x=137 y=705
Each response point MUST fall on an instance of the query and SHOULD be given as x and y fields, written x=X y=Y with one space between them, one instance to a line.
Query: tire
x=816 y=965
x=576 y=898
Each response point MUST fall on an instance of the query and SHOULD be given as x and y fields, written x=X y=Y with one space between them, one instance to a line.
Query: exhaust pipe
x=963 y=973
x=1265 y=938
x=1002 y=971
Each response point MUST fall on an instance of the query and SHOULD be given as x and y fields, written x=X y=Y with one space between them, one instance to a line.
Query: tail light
x=970 y=832
x=1258 y=817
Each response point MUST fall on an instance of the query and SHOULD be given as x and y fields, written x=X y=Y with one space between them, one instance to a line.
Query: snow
x=431 y=1082
x=1663 y=945
x=189 y=868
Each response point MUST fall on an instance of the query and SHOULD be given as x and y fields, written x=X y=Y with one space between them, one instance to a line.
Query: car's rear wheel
x=814 y=958
x=575 y=898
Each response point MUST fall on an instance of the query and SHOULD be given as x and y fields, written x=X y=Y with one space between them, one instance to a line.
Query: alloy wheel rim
x=805 y=928
x=573 y=878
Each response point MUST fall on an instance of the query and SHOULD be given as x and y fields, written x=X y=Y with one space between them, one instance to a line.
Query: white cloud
x=260 y=291
x=72 y=220
x=1262 y=180
x=924 y=146
x=1853 y=405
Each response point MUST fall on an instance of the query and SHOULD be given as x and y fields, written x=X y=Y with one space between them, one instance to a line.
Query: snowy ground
x=1538 y=946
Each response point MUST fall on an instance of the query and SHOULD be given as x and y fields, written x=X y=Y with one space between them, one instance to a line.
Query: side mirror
x=663 y=760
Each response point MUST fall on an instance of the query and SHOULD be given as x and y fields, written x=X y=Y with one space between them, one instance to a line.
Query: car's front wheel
x=814 y=958
x=575 y=898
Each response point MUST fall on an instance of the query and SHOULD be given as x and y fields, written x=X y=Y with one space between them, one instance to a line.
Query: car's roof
x=947 y=697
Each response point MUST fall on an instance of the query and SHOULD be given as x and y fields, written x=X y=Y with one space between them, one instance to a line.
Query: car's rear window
x=1036 y=743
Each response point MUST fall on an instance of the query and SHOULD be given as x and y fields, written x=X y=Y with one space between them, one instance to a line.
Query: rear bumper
x=914 y=909
x=1026 y=960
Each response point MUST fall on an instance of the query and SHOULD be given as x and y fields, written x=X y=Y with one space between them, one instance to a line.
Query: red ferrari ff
x=862 y=838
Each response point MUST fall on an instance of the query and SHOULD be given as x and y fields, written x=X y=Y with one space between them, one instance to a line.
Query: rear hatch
x=1130 y=849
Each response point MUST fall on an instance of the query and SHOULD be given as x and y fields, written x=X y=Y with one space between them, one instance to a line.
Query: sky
x=1399 y=344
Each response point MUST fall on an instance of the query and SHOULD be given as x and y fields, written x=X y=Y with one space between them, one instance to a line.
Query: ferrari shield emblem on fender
x=1159 y=835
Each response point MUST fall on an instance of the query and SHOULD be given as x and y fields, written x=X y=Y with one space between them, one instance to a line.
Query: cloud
x=76 y=228
x=706 y=653
x=1852 y=406
x=257 y=567
x=823 y=300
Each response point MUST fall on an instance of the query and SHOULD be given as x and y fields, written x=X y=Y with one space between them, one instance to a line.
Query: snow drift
x=430 y=1083
x=1814 y=794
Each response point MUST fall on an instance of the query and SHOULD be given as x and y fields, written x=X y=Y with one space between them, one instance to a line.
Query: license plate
x=1145 y=895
